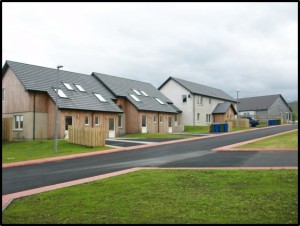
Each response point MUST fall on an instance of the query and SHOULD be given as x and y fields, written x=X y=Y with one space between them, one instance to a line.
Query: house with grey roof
x=265 y=107
x=197 y=101
x=29 y=97
x=146 y=109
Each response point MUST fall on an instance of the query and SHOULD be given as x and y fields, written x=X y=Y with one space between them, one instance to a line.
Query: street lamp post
x=56 y=107
x=237 y=111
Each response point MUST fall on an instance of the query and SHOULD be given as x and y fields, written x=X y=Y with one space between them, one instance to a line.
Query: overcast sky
x=248 y=46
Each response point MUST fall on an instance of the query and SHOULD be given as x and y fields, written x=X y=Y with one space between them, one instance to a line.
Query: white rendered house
x=196 y=101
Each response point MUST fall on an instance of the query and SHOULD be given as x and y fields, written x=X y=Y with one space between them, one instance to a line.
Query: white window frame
x=208 y=117
x=137 y=92
x=145 y=94
x=88 y=119
x=97 y=124
x=60 y=93
x=79 y=87
x=18 y=119
x=101 y=98
x=199 y=100
x=135 y=98
x=120 y=118
x=68 y=86
x=159 y=101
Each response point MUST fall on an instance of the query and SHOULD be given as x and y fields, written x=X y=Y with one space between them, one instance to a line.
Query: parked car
x=253 y=122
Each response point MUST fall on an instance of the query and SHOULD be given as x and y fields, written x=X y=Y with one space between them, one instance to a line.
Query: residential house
x=146 y=110
x=196 y=101
x=29 y=97
x=265 y=107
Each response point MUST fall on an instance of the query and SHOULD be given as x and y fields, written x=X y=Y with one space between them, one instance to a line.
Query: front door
x=144 y=124
x=170 y=125
x=68 y=122
x=111 y=128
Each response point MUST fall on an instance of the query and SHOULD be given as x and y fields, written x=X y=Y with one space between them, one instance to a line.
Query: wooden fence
x=92 y=137
x=243 y=123
x=7 y=130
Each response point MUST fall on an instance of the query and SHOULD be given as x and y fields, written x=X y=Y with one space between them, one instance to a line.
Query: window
x=143 y=92
x=86 y=120
x=207 y=117
x=154 y=119
x=134 y=97
x=80 y=88
x=184 y=98
x=159 y=101
x=199 y=100
x=100 y=97
x=97 y=121
x=61 y=93
x=18 y=122
x=68 y=86
x=198 y=116
x=160 y=119
x=120 y=121
x=137 y=92
x=3 y=94
x=175 y=118
x=120 y=106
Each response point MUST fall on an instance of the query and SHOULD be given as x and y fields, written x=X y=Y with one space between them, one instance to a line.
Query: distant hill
x=294 y=106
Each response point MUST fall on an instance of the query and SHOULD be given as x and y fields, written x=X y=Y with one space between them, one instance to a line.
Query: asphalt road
x=186 y=154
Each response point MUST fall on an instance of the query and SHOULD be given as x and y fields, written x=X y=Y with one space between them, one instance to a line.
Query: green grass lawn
x=196 y=129
x=167 y=197
x=288 y=140
x=154 y=135
x=35 y=149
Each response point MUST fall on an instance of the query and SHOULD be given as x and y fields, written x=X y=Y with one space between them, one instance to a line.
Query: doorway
x=68 y=122
x=144 y=124
x=170 y=124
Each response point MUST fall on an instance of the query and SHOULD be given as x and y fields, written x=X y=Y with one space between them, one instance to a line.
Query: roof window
x=100 y=97
x=68 y=86
x=61 y=93
x=80 y=88
x=143 y=92
x=134 y=97
x=159 y=101
x=137 y=92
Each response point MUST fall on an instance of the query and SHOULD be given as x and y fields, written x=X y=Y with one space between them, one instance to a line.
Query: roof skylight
x=68 y=86
x=80 y=88
x=143 y=92
x=159 y=101
x=137 y=92
x=61 y=93
x=100 y=97
x=134 y=97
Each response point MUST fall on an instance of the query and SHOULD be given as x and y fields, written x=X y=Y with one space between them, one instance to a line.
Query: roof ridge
x=122 y=78
x=7 y=61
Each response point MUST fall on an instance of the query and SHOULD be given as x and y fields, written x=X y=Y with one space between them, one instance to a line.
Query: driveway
x=196 y=153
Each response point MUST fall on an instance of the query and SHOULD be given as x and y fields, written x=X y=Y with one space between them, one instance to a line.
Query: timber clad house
x=200 y=104
x=116 y=105
x=146 y=110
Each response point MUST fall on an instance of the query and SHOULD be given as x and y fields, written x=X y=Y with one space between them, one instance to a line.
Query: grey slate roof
x=37 y=78
x=123 y=87
x=222 y=108
x=258 y=103
x=200 y=89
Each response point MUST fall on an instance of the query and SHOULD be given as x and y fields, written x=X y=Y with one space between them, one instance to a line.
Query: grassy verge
x=168 y=197
x=196 y=129
x=288 y=140
x=29 y=150
x=153 y=135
